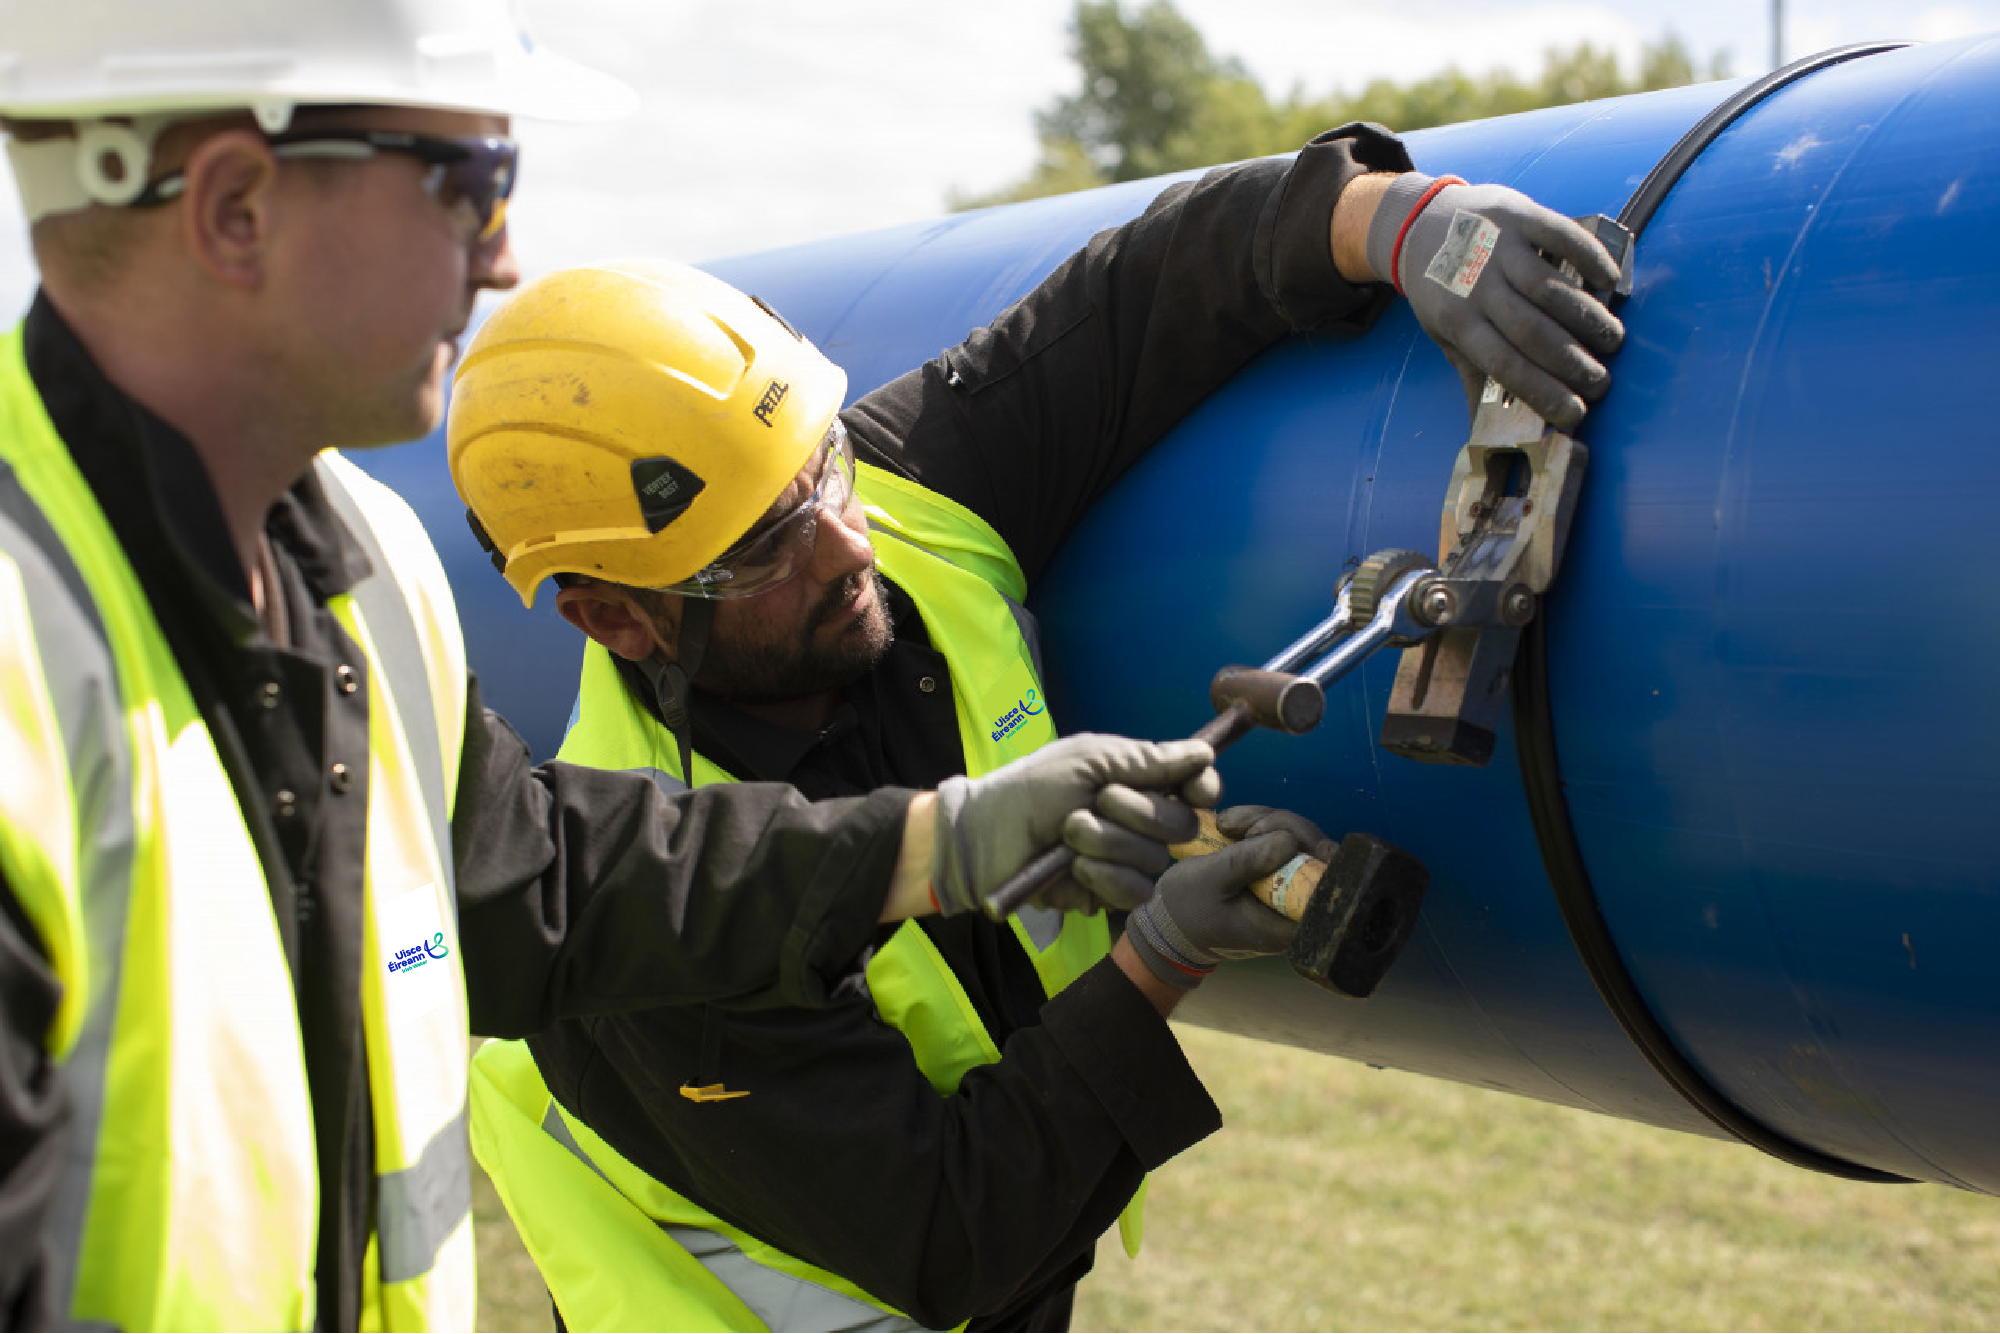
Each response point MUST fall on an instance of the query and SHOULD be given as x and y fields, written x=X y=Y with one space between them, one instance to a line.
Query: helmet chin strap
x=673 y=681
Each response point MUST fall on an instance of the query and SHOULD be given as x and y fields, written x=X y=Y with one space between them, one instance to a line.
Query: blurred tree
x=1153 y=99
x=1147 y=83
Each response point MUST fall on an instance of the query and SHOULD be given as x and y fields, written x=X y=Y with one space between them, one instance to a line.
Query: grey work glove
x=1472 y=269
x=1115 y=801
x=1204 y=912
x=1248 y=821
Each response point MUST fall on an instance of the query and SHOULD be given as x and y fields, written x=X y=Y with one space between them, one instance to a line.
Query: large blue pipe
x=1772 y=653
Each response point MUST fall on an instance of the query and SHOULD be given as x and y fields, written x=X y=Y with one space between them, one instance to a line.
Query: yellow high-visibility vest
x=190 y=1198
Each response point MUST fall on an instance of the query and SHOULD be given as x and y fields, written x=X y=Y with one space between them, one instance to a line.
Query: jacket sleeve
x=1033 y=417
x=946 y=1208
x=34 y=1121
x=582 y=891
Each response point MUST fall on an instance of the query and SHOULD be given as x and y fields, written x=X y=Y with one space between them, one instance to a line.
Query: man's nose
x=841 y=545
x=494 y=264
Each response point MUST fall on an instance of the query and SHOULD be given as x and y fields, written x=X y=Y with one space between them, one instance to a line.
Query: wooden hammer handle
x=1287 y=889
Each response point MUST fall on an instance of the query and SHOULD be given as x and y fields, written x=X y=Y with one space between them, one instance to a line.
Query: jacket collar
x=171 y=523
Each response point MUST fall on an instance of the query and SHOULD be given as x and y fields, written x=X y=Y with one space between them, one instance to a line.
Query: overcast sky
x=769 y=122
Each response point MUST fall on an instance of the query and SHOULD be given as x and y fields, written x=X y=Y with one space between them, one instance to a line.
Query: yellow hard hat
x=630 y=421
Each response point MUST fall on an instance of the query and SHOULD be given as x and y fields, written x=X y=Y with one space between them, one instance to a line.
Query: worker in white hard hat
x=264 y=859
x=944 y=1146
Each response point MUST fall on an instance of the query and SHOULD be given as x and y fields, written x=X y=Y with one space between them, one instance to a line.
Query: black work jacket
x=985 y=1206
x=578 y=890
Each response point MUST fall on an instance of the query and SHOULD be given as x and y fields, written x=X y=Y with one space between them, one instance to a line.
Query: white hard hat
x=155 y=61
x=78 y=59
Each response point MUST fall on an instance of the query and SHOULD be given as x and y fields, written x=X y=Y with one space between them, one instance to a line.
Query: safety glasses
x=779 y=548
x=471 y=177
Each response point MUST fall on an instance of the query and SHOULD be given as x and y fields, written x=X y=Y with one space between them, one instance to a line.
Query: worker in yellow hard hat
x=943 y=1146
x=264 y=858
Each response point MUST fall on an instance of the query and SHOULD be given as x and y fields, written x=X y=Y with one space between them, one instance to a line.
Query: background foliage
x=1151 y=98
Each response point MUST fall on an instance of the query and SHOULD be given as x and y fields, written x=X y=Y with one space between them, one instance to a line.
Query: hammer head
x=1360 y=917
x=1277 y=700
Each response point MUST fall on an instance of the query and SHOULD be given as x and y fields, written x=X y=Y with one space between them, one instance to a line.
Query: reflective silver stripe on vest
x=1031 y=633
x=424 y=1203
x=1043 y=925
x=400 y=658
x=780 y=1300
x=82 y=678
x=665 y=781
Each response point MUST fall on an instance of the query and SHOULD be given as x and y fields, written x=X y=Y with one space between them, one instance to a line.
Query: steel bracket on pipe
x=1508 y=507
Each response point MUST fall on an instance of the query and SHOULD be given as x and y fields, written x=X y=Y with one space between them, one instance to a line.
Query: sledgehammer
x=1355 y=913
x=1354 y=916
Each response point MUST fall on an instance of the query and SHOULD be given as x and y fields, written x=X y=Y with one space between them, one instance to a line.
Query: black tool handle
x=1227 y=728
x=1219 y=732
x=1029 y=881
x=1245 y=699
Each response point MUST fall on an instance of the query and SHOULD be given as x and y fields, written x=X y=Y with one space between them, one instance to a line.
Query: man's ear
x=608 y=615
x=226 y=206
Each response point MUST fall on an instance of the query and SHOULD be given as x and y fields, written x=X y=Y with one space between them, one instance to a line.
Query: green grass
x=511 y=1295
x=1339 y=1197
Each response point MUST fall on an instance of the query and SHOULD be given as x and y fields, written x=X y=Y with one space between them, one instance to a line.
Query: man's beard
x=774 y=673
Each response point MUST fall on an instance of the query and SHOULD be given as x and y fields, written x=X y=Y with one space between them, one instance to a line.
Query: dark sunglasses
x=472 y=177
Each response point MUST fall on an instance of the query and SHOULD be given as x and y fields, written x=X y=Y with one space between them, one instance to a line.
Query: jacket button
x=269 y=694
x=286 y=803
x=342 y=779
x=927 y=684
x=345 y=676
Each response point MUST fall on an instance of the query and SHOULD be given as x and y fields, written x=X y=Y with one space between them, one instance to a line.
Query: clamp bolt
x=1518 y=606
x=1439 y=605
